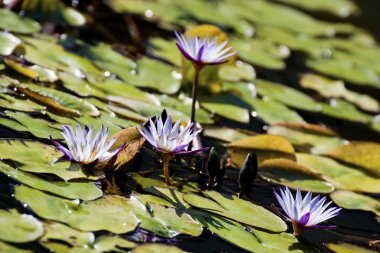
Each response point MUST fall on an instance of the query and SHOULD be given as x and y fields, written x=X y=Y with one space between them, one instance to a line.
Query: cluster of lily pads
x=68 y=187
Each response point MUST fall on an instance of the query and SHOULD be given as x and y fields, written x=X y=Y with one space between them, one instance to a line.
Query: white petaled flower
x=169 y=139
x=305 y=212
x=206 y=52
x=83 y=147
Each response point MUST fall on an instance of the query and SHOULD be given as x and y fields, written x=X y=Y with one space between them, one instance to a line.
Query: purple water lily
x=305 y=212
x=206 y=52
x=202 y=53
x=169 y=140
x=84 y=148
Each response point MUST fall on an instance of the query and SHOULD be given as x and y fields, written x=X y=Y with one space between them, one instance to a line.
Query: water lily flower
x=84 y=148
x=169 y=140
x=305 y=212
x=206 y=52
x=202 y=53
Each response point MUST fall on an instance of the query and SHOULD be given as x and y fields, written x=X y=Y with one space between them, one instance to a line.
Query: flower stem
x=194 y=99
x=194 y=94
x=165 y=162
x=296 y=229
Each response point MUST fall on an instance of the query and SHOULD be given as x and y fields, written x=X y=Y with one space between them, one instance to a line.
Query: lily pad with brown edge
x=70 y=190
x=363 y=154
x=34 y=72
x=26 y=105
x=265 y=146
x=132 y=141
x=19 y=228
x=58 y=101
x=341 y=176
x=156 y=248
x=236 y=209
x=7 y=248
x=60 y=232
x=305 y=139
x=345 y=247
x=355 y=201
x=289 y=173
x=100 y=214
x=33 y=156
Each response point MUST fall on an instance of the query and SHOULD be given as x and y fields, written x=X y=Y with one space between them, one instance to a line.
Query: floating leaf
x=341 y=8
x=365 y=155
x=286 y=95
x=165 y=79
x=100 y=214
x=156 y=248
x=345 y=247
x=107 y=243
x=342 y=110
x=12 y=22
x=19 y=228
x=71 y=190
x=35 y=72
x=39 y=158
x=240 y=72
x=224 y=134
x=7 y=248
x=265 y=146
x=289 y=173
x=8 y=43
x=61 y=232
x=236 y=209
x=341 y=176
x=336 y=88
x=356 y=201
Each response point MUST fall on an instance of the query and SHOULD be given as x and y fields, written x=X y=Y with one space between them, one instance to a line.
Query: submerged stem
x=165 y=162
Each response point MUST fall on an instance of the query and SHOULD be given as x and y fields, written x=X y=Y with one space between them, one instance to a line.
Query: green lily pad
x=265 y=146
x=107 y=243
x=156 y=248
x=61 y=232
x=165 y=49
x=355 y=201
x=260 y=53
x=224 y=134
x=345 y=247
x=7 y=248
x=71 y=190
x=35 y=72
x=286 y=95
x=345 y=70
x=365 y=155
x=10 y=102
x=8 y=43
x=268 y=109
x=19 y=228
x=336 y=88
x=310 y=141
x=342 y=110
x=236 y=209
x=341 y=176
x=12 y=22
x=340 y=8
x=289 y=173
x=240 y=72
x=58 y=100
x=165 y=79
x=100 y=214
x=33 y=156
